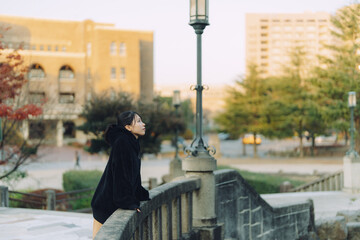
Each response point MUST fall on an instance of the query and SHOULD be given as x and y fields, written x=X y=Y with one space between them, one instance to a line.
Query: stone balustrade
x=167 y=216
x=247 y=216
x=239 y=208
x=331 y=182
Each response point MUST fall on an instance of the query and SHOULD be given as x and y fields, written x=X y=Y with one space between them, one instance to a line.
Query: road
x=47 y=171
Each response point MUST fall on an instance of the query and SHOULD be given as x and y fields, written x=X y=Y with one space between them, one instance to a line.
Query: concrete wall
x=246 y=216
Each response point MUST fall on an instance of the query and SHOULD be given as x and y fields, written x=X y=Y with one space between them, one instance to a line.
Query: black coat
x=120 y=184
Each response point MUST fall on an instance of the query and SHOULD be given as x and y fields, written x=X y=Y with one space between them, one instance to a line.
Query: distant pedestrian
x=77 y=159
x=120 y=184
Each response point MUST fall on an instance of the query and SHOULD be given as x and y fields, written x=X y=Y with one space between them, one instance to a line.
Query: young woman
x=120 y=184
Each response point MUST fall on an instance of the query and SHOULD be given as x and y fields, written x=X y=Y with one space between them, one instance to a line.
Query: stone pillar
x=25 y=129
x=4 y=196
x=59 y=133
x=351 y=173
x=204 y=215
x=175 y=170
x=50 y=199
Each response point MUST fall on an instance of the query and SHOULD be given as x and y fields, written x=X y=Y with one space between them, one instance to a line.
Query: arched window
x=112 y=48
x=36 y=71
x=66 y=72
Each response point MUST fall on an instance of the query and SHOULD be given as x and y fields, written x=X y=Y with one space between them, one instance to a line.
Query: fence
x=49 y=200
x=53 y=199
x=331 y=182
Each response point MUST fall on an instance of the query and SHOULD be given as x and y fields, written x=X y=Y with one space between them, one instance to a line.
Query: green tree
x=244 y=107
x=300 y=97
x=339 y=73
x=102 y=110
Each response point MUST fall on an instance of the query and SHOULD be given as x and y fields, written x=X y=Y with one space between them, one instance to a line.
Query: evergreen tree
x=339 y=73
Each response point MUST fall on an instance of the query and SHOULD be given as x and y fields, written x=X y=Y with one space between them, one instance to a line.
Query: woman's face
x=137 y=127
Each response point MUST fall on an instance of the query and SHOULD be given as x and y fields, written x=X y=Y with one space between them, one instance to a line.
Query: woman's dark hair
x=123 y=119
x=126 y=118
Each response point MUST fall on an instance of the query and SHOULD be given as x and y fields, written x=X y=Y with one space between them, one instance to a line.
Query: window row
x=295 y=20
x=39 y=97
x=34 y=47
x=36 y=71
x=114 y=49
x=113 y=74
x=38 y=129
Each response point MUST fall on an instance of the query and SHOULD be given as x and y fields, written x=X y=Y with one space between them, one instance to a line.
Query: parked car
x=249 y=139
x=326 y=139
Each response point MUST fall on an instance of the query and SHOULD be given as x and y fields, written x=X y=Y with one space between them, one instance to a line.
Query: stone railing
x=247 y=216
x=167 y=216
x=239 y=208
x=331 y=182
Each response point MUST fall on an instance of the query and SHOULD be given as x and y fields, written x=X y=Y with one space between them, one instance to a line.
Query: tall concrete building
x=271 y=37
x=69 y=61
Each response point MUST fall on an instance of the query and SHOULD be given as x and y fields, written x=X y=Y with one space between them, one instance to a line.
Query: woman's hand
x=138 y=210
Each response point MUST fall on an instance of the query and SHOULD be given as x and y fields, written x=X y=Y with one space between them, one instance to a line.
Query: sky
x=223 y=41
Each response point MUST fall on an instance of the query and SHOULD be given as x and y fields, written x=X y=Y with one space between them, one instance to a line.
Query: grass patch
x=268 y=182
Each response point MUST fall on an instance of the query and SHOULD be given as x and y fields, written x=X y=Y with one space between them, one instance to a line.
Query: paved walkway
x=326 y=204
x=24 y=224
x=29 y=224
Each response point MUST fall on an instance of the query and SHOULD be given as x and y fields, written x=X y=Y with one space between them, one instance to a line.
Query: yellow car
x=249 y=139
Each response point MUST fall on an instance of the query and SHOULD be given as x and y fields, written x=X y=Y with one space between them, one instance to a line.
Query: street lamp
x=199 y=163
x=199 y=19
x=352 y=105
x=176 y=103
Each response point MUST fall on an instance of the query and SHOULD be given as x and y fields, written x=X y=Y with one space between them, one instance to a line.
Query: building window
x=66 y=72
x=63 y=48
x=112 y=48
x=36 y=97
x=36 y=130
x=88 y=96
x=10 y=45
x=33 y=47
x=36 y=72
x=41 y=47
x=67 y=98
x=49 y=48
x=56 y=48
x=122 y=49
x=88 y=48
x=113 y=73
x=69 y=129
x=122 y=73
x=26 y=46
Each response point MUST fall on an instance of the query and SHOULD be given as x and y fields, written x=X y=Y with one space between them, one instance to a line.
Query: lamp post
x=199 y=163
x=176 y=104
x=199 y=11
x=352 y=105
x=351 y=159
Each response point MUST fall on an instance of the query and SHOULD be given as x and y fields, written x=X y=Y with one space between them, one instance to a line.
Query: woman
x=120 y=184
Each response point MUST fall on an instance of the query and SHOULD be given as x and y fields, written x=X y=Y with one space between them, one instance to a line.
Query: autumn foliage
x=12 y=80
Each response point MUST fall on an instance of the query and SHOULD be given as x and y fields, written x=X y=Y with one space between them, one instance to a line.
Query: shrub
x=81 y=179
x=264 y=182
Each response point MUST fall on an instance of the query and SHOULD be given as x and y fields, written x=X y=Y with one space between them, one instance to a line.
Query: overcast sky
x=174 y=40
